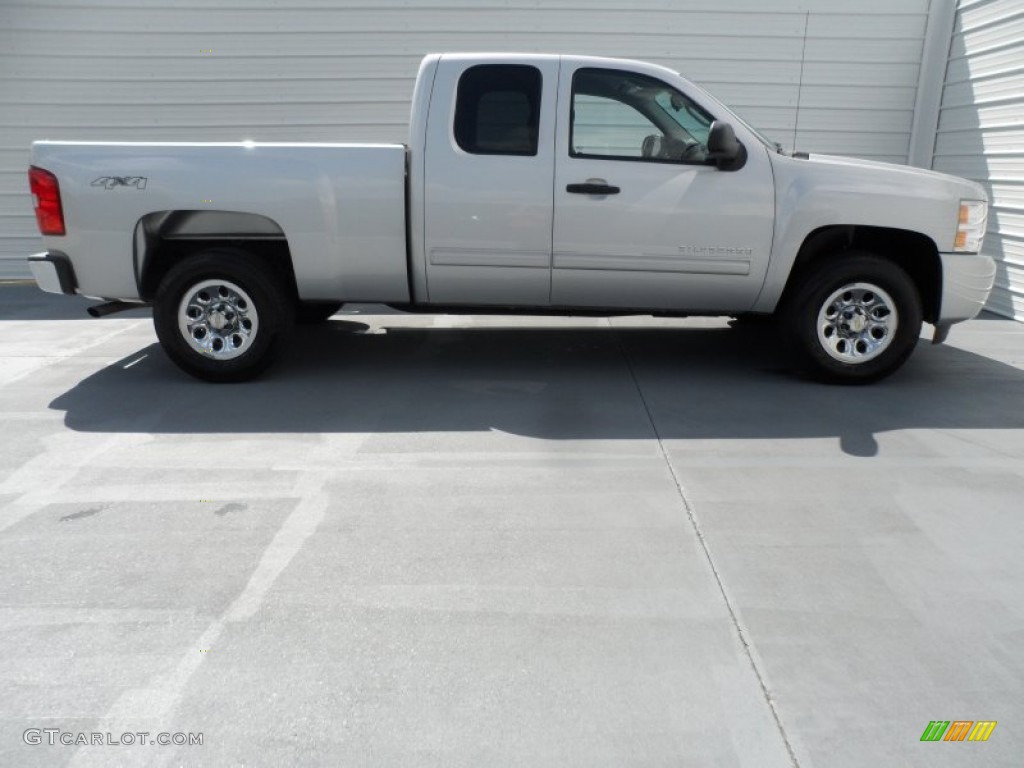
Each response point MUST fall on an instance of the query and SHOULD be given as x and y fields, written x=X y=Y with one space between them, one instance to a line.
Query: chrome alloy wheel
x=857 y=323
x=217 y=318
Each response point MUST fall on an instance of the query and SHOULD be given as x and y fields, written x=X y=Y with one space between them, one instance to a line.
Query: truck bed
x=341 y=208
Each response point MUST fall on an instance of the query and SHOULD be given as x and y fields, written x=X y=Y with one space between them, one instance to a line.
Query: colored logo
x=958 y=730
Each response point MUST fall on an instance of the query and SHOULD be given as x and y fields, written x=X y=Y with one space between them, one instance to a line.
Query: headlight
x=970 y=228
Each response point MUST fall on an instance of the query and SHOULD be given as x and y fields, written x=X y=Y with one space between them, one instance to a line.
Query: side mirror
x=724 y=148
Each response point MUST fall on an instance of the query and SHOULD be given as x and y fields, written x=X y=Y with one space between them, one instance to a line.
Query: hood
x=906 y=174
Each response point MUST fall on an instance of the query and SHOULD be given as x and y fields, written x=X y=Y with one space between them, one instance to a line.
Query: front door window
x=620 y=115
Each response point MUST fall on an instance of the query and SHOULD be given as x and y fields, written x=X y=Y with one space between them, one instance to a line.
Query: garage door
x=981 y=130
x=225 y=70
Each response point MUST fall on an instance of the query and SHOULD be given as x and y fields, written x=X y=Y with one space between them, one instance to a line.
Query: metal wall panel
x=981 y=130
x=342 y=70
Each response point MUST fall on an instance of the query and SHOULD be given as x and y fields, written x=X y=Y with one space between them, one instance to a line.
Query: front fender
x=823 y=191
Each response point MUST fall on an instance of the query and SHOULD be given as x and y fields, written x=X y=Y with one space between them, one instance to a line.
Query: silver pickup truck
x=530 y=184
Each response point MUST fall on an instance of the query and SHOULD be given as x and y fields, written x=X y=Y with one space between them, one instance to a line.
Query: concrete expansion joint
x=691 y=515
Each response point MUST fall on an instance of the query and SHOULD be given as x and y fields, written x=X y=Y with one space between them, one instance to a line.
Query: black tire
x=239 y=291
x=857 y=343
x=315 y=312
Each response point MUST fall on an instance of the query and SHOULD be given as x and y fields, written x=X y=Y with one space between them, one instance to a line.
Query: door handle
x=590 y=188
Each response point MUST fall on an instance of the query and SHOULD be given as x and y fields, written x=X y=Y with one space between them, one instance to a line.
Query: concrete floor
x=496 y=541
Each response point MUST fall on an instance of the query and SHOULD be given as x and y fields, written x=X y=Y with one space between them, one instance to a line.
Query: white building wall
x=981 y=130
x=333 y=70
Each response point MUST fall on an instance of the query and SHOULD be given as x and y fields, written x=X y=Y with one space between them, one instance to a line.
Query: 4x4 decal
x=109 y=182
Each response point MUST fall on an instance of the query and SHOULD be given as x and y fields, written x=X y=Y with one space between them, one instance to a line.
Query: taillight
x=46 y=199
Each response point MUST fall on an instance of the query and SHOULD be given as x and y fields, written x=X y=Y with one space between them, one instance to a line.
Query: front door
x=643 y=219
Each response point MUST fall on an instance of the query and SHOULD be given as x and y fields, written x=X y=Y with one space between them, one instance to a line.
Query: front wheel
x=855 y=318
x=220 y=315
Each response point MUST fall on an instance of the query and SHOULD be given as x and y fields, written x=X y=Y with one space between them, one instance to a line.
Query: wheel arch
x=916 y=253
x=164 y=238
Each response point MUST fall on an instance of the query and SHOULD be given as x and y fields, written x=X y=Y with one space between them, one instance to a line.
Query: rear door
x=489 y=163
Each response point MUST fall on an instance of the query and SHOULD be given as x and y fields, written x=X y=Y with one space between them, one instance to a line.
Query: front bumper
x=967 y=280
x=53 y=272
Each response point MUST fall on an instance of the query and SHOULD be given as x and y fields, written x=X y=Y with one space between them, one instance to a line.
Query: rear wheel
x=220 y=315
x=855 y=318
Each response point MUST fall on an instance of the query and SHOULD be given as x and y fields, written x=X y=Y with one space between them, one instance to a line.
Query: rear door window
x=497 y=109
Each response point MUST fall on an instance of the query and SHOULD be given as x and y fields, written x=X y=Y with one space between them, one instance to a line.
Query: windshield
x=760 y=136
x=763 y=139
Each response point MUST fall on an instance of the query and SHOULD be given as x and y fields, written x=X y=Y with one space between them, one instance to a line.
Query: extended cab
x=531 y=184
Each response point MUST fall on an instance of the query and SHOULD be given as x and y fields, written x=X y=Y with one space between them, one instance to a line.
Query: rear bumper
x=966 y=283
x=53 y=272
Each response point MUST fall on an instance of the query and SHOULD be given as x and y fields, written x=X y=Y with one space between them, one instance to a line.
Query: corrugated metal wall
x=981 y=130
x=331 y=70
